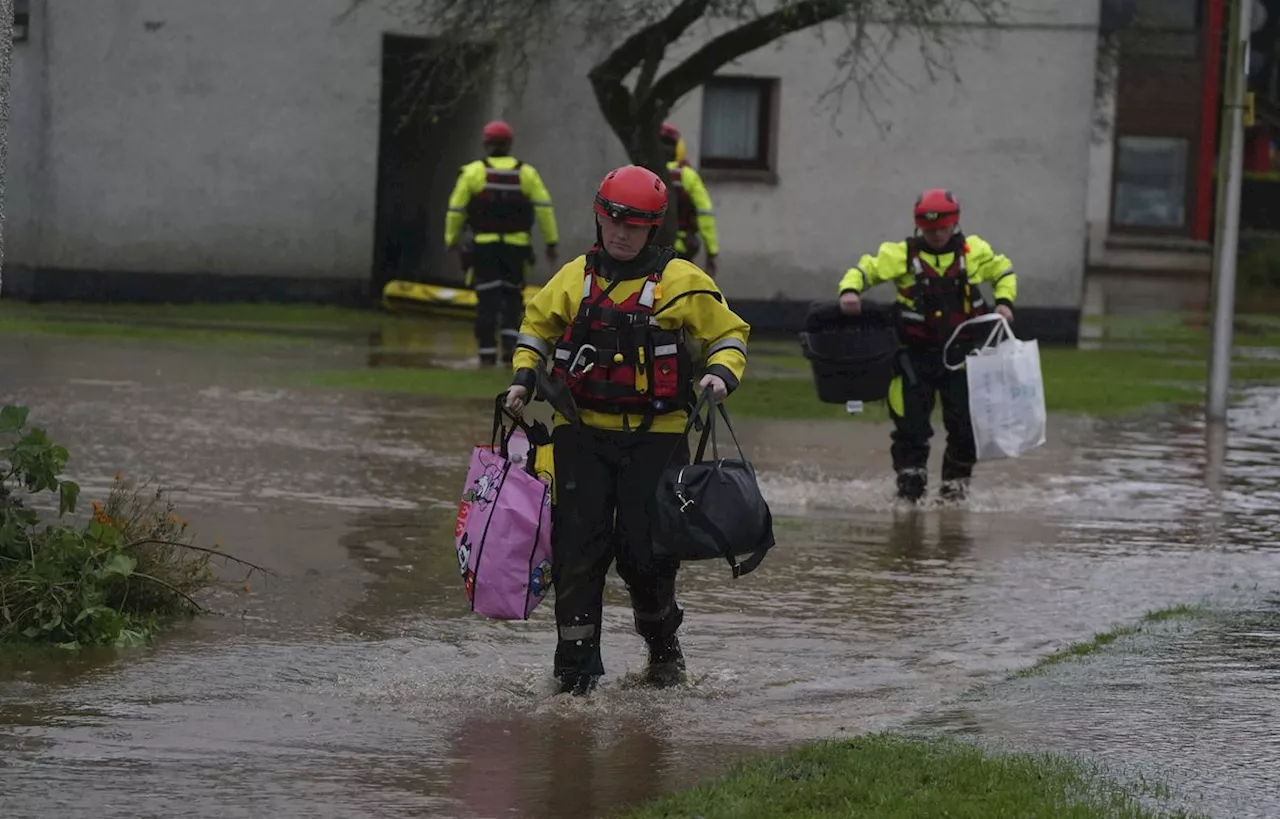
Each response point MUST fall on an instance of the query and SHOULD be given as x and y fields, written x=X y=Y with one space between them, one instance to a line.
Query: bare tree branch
x=204 y=549
x=170 y=587
x=518 y=29
x=649 y=70
x=623 y=59
x=698 y=67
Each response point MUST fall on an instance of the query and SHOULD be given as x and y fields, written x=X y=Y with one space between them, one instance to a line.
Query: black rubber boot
x=954 y=491
x=911 y=485
x=666 y=663
x=579 y=685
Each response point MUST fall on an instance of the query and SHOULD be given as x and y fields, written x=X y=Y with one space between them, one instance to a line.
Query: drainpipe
x=1227 y=239
x=6 y=62
x=1210 y=95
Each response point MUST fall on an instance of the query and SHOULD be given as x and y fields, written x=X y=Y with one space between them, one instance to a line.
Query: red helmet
x=497 y=131
x=937 y=208
x=633 y=194
x=669 y=132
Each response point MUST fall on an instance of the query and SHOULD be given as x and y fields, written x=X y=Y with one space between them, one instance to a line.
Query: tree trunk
x=6 y=61
x=644 y=148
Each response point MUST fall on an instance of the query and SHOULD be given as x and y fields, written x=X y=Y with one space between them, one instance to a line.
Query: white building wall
x=241 y=137
x=227 y=137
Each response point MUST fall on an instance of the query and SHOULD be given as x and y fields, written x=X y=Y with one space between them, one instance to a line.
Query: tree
x=635 y=36
x=6 y=61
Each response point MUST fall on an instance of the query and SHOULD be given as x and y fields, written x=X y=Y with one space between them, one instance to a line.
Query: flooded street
x=356 y=682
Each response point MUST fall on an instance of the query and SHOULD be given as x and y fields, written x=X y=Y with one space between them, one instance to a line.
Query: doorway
x=429 y=126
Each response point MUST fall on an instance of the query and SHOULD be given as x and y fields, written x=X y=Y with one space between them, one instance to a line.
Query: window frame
x=1188 y=187
x=765 y=160
x=1143 y=41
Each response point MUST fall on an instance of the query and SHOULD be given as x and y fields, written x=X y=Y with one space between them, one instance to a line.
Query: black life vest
x=501 y=206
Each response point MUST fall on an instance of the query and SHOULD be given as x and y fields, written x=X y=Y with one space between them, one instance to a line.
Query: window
x=1151 y=182
x=737 y=123
x=21 y=20
x=1166 y=15
x=1164 y=28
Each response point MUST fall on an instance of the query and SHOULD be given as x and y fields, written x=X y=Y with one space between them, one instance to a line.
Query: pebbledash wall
x=177 y=149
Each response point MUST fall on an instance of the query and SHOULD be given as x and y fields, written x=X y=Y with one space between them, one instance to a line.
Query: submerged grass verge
x=888 y=776
x=120 y=331
x=1106 y=638
x=235 y=323
x=891 y=775
x=231 y=314
x=1103 y=382
x=778 y=384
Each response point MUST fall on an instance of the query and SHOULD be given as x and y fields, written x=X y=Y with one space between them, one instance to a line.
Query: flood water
x=356 y=682
x=1191 y=704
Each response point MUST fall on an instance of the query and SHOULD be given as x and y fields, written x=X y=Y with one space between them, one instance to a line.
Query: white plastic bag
x=1006 y=391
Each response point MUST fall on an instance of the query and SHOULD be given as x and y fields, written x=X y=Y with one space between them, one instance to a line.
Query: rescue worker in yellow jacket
x=498 y=198
x=695 y=215
x=612 y=326
x=936 y=273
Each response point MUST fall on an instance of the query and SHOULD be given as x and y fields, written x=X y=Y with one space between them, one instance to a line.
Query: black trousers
x=912 y=429
x=606 y=484
x=499 y=283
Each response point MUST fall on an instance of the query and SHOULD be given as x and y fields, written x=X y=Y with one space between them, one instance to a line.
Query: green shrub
x=112 y=580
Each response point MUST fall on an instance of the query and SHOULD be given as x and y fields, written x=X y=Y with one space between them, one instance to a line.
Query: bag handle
x=709 y=430
x=724 y=413
x=499 y=410
x=690 y=423
x=988 y=318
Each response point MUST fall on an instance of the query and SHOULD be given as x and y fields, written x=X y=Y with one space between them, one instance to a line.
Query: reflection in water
x=358 y=681
x=427 y=343
x=918 y=541
x=583 y=768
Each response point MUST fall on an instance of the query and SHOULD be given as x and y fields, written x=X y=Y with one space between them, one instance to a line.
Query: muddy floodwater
x=357 y=683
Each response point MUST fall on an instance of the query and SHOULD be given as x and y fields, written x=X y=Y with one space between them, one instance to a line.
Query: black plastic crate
x=853 y=358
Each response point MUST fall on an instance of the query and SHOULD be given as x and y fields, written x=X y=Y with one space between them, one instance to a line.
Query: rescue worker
x=695 y=215
x=498 y=197
x=612 y=325
x=936 y=272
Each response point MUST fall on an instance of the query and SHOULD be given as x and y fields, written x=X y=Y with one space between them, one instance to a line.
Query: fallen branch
x=204 y=549
x=172 y=588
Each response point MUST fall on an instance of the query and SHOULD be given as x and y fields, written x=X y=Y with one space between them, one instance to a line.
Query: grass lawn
x=887 y=776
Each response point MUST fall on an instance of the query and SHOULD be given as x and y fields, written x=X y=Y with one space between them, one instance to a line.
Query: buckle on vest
x=580 y=365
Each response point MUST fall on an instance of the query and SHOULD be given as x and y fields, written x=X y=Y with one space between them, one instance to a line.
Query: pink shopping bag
x=503 y=530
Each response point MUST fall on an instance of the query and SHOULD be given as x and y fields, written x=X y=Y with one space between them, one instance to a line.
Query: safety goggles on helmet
x=635 y=216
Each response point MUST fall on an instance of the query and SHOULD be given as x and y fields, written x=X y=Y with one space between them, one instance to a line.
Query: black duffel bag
x=712 y=509
x=852 y=357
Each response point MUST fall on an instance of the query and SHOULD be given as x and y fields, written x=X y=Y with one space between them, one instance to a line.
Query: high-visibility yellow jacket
x=688 y=299
x=890 y=265
x=472 y=180
x=687 y=181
